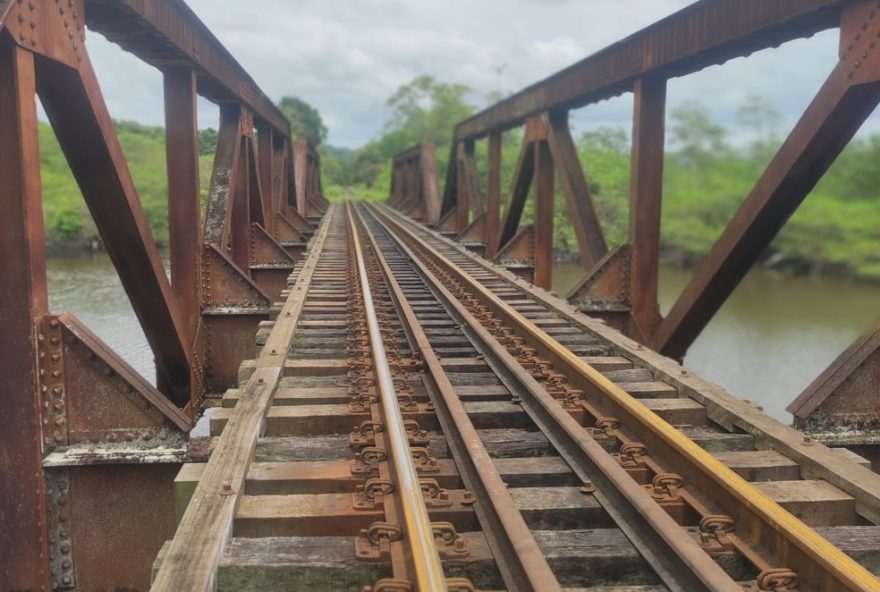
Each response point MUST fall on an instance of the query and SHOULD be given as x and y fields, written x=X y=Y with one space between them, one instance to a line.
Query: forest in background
x=708 y=172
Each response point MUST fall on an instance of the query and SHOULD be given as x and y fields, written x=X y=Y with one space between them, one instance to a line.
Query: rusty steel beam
x=24 y=563
x=414 y=183
x=847 y=389
x=582 y=210
x=168 y=32
x=266 y=163
x=522 y=181
x=543 y=189
x=703 y=34
x=82 y=124
x=184 y=217
x=493 y=199
x=848 y=96
x=645 y=201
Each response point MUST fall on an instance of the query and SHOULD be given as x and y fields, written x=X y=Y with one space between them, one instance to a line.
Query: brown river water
x=773 y=336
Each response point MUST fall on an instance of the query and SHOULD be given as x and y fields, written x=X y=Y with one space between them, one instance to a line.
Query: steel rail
x=520 y=560
x=819 y=564
x=676 y=558
x=426 y=569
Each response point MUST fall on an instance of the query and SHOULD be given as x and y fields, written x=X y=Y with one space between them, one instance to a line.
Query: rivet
x=53 y=323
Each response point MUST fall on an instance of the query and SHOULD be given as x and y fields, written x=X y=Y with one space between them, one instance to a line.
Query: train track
x=418 y=420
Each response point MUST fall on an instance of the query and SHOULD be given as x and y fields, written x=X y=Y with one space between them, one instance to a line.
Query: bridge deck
x=551 y=451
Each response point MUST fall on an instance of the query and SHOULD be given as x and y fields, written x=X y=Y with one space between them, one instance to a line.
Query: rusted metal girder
x=168 y=33
x=79 y=424
x=414 y=187
x=848 y=96
x=184 y=215
x=841 y=407
x=309 y=199
x=621 y=285
x=23 y=531
x=705 y=33
x=82 y=124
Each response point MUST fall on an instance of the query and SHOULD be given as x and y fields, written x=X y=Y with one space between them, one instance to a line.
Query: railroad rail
x=438 y=423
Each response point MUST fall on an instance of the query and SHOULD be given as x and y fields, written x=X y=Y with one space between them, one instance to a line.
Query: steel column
x=184 y=217
x=493 y=202
x=266 y=165
x=23 y=538
x=544 y=182
x=465 y=199
x=645 y=201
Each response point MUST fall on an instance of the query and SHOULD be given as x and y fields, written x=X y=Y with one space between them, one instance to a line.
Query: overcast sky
x=346 y=57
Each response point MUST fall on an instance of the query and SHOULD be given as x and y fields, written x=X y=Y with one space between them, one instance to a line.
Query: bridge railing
x=69 y=402
x=620 y=284
x=414 y=187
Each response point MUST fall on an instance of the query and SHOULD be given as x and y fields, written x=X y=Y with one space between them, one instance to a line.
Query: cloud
x=347 y=56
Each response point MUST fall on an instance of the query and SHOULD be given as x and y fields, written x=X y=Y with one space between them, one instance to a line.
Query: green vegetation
x=707 y=175
x=305 y=121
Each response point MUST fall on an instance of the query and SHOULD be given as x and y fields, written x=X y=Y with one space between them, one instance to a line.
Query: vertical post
x=300 y=174
x=428 y=181
x=544 y=181
x=279 y=175
x=24 y=563
x=646 y=195
x=184 y=223
x=463 y=205
x=240 y=221
x=493 y=200
x=265 y=163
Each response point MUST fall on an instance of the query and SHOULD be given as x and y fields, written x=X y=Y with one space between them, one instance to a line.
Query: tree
x=425 y=110
x=697 y=138
x=207 y=141
x=305 y=121
x=422 y=110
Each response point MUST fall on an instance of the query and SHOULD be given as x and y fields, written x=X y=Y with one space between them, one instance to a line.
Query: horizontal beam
x=168 y=32
x=705 y=33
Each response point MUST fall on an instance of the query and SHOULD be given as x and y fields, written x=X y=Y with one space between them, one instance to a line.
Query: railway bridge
x=387 y=397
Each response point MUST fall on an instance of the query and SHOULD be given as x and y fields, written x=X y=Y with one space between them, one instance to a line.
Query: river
x=774 y=335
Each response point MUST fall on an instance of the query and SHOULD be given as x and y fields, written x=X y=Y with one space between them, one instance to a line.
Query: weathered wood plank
x=194 y=553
